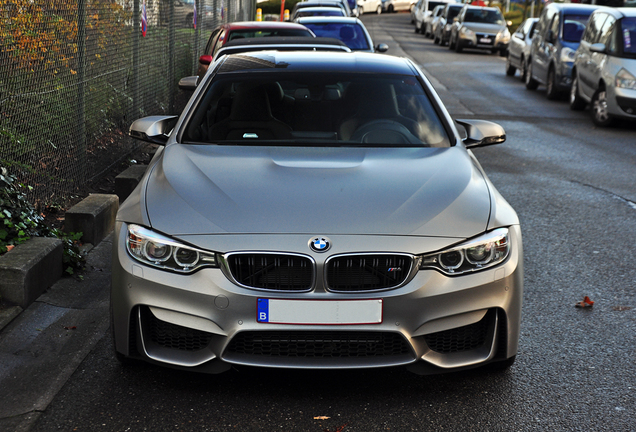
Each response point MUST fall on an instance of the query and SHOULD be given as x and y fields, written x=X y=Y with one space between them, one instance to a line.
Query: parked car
x=344 y=4
x=429 y=21
x=349 y=30
x=399 y=5
x=423 y=14
x=362 y=232
x=519 y=48
x=554 y=43
x=370 y=6
x=441 y=34
x=319 y=11
x=482 y=28
x=246 y=29
x=604 y=72
x=418 y=5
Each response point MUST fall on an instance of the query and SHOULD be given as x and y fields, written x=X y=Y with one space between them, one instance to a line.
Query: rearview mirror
x=481 y=133
x=189 y=83
x=598 y=48
x=382 y=47
x=153 y=129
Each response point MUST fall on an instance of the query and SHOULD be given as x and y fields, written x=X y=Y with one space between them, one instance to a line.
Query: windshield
x=316 y=109
x=484 y=16
x=628 y=33
x=351 y=34
x=573 y=26
x=452 y=13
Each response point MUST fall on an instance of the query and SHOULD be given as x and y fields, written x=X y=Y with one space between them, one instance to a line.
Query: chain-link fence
x=75 y=73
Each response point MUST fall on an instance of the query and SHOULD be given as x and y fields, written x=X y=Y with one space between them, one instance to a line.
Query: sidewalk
x=41 y=348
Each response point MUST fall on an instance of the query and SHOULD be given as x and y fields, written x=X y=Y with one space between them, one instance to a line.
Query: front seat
x=250 y=117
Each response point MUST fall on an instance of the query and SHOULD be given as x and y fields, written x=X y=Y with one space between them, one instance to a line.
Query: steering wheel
x=384 y=132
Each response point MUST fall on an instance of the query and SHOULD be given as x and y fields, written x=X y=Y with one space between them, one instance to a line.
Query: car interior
x=316 y=108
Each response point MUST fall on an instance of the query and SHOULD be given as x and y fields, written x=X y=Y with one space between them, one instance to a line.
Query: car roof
x=468 y=6
x=246 y=25
x=618 y=13
x=323 y=19
x=264 y=42
x=322 y=61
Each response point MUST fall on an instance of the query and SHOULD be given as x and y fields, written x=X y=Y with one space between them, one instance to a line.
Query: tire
x=503 y=53
x=510 y=69
x=390 y=9
x=435 y=40
x=552 y=93
x=451 y=45
x=531 y=83
x=416 y=29
x=379 y=9
x=523 y=70
x=600 y=115
x=577 y=103
x=458 y=47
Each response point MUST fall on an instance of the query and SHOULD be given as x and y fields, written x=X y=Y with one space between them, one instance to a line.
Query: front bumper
x=205 y=322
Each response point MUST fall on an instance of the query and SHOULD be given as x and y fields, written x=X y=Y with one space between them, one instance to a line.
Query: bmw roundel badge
x=319 y=244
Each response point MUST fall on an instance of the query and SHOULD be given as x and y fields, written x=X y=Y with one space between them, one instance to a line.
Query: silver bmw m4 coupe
x=316 y=210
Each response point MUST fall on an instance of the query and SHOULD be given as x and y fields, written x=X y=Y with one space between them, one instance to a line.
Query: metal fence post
x=171 y=57
x=135 y=65
x=81 y=89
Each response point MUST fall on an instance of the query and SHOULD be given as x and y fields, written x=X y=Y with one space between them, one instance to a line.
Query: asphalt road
x=573 y=186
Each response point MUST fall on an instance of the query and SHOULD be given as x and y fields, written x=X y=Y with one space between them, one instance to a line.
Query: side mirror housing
x=205 y=60
x=153 y=129
x=189 y=83
x=382 y=47
x=481 y=133
x=598 y=48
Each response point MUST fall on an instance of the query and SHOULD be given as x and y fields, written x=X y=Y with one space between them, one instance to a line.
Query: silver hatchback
x=604 y=72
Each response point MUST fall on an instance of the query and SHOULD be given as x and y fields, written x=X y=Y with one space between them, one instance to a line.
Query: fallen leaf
x=10 y=247
x=585 y=303
x=621 y=308
x=322 y=418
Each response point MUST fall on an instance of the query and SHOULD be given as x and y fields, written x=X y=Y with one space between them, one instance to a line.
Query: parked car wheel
x=451 y=44
x=379 y=9
x=531 y=83
x=435 y=40
x=551 y=87
x=458 y=46
x=600 y=114
x=576 y=101
x=390 y=9
x=524 y=70
x=510 y=69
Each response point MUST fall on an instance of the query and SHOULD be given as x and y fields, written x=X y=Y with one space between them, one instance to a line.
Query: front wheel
x=576 y=101
x=600 y=111
x=551 y=87
x=531 y=83
x=458 y=46
x=510 y=69
x=524 y=70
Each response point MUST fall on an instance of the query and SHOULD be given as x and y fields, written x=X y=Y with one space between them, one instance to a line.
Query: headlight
x=625 y=80
x=477 y=254
x=567 y=55
x=503 y=36
x=466 y=32
x=164 y=253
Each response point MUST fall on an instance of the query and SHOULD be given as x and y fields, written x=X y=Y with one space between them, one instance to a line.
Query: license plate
x=319 y=312
x=485 y=40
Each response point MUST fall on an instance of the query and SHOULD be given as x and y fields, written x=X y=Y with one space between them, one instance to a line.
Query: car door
x=584 y=57
x=547 y=49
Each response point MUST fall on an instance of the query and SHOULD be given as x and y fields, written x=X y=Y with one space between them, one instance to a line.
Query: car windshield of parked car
x=452 y=13
x=315 y=109
x=351 y=34
x=628 y=33
x=573 y=27
x=484 y=16
x=240 y=34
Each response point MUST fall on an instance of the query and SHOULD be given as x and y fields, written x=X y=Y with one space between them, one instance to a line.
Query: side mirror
x=205 y=60
x=481 y=133
x=153 y=129
x=598 y=48
x=382 y=47
x=189 y=83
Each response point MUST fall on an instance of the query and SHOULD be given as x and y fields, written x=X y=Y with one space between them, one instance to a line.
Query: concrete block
x=29 y=269
x=94 y=217
x=128 y=180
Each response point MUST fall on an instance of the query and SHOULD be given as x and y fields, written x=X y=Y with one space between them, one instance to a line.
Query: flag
x=144 y=19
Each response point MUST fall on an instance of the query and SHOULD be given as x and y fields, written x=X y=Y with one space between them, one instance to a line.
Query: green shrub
x=19 y=221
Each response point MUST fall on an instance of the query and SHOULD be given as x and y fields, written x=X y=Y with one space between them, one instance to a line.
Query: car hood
x=484 y=28
x=209 y=189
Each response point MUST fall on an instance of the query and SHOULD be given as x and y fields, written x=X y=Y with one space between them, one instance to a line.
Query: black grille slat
x=461 y=339
x=272 y=271
x=297 y=344
x=174 y=336
x=367 y=272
